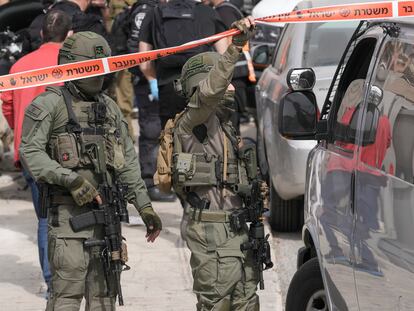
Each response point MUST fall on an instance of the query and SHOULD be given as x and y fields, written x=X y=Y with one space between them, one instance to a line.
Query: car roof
x=402 y=20
x=321 y=3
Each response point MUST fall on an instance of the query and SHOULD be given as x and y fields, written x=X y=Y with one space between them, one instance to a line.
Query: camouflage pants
x=77 y=272
x=224 y=278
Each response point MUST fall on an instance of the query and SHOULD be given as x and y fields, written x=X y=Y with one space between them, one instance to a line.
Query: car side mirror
x=298 y=114
x=301 y=79
x=261 y=55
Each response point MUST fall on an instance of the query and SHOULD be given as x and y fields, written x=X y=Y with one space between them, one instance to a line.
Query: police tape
x=96 y=67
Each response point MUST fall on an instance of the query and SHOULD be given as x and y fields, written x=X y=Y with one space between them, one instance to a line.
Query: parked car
x=359 y=228
x=283 y=162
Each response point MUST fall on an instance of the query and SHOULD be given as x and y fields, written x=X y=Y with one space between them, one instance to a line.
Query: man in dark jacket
x=81 y=21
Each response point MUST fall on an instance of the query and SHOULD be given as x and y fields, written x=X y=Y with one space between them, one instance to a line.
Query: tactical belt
x=207 y=216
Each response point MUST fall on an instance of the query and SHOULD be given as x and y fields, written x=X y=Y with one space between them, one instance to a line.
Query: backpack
x=175 y=24
x=163 y=175
x=120 y=32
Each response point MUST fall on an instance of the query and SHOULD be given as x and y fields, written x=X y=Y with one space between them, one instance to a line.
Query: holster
x=238 y=220
x=197 y=203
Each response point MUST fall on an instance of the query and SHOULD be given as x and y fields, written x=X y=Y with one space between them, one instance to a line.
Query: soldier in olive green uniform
x=206 y=167
x=58 y=126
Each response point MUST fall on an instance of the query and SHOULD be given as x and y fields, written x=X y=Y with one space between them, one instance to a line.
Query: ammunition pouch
x=248 y=155
x=87 y=220
x=200 y=169
x=70 y=151
x=90 y=124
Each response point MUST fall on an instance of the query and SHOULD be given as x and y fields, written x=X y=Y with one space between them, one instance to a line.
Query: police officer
x=148 y=105
x=58 y=125
x=206 y=169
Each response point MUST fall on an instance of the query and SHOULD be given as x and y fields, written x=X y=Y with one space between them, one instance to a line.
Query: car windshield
x=325 y=43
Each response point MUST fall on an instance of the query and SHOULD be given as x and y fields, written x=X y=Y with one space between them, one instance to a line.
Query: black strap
x=73 y=125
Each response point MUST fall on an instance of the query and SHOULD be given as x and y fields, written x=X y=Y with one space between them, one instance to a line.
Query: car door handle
x=352 y=194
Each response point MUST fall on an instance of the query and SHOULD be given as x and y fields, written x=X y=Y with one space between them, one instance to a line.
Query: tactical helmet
x=194 y=71
x=82 y=46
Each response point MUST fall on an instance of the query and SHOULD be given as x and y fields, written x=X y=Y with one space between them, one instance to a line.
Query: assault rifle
x=110 y=214
x=253 y=212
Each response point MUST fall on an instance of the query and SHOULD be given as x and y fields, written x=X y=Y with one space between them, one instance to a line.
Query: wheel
x=285 y=215
x=306 y=291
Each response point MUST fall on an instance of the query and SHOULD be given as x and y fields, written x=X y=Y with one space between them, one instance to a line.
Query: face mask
x=90 y=86
x=226 y=108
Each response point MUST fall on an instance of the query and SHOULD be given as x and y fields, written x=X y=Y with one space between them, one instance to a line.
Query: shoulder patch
x=35 y=112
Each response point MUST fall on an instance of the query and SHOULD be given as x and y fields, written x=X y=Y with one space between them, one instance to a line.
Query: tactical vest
x=90 y=126
x=226 y=167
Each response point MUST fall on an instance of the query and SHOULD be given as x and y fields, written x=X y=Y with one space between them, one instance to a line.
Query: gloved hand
x=152 y=222
x=264 y=193
x=83 y=192
x=247 y=27
x=153 y=84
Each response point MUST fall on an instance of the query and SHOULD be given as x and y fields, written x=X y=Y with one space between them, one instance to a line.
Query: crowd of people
x=47 y=146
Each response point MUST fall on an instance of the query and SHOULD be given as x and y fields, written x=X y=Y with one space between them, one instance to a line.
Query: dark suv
x=359 y=212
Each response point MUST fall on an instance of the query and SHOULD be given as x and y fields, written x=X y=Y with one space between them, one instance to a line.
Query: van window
x=325 y=43
x=393 y=150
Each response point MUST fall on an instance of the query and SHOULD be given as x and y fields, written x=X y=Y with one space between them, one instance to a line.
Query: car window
x=281 y=59
x=350 y=95
x=393 y=82
x=325 y=43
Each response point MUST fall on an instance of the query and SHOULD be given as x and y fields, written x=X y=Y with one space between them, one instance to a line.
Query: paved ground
x=159 y=278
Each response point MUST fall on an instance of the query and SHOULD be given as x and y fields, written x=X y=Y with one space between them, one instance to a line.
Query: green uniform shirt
x=202 y=110
x=45 y=118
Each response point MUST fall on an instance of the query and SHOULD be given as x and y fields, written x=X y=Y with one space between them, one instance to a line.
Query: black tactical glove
x=152 y=222
x=246 y=27
x=82 y=191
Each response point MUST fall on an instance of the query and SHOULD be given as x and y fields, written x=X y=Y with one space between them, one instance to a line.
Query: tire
x=306 y=291
x=285 y=215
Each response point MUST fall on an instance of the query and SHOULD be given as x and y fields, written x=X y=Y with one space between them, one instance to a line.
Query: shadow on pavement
x=22 y=274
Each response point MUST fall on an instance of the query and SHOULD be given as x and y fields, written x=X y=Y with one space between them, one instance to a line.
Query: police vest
x=90 y=126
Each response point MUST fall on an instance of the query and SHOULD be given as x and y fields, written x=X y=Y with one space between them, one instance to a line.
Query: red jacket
x=15 y=102
x=372 y=155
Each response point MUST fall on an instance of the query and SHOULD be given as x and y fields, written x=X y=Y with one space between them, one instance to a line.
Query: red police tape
x=90 y=68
